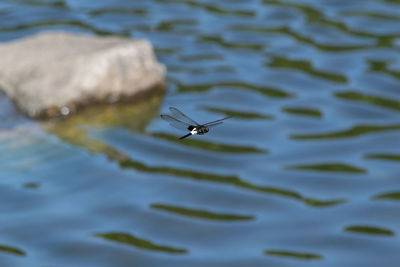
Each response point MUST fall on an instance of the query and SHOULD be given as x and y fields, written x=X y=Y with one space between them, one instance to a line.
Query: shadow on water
x=128 y=239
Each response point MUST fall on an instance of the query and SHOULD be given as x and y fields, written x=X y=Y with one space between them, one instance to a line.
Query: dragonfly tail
x=189 y=134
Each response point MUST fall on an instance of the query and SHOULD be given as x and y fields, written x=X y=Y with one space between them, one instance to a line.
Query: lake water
x=306 y=173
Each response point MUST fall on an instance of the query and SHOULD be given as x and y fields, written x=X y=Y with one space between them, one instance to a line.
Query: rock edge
x=54 y=73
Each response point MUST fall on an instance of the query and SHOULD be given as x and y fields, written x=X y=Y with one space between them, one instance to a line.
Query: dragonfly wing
x=213 y=123
x=175 y=123
x=180 y=116
x=209 y=125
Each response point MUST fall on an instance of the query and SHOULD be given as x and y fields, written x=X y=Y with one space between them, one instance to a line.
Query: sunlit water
x=307 y=173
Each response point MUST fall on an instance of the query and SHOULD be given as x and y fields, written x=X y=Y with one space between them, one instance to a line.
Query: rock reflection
x=134 y=117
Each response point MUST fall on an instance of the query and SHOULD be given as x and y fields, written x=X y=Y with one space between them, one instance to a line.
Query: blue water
x=306 y=173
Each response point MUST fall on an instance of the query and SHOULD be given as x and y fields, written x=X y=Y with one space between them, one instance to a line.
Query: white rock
x=56 y=72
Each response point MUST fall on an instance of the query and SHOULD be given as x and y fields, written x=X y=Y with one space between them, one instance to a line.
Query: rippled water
x=307 y=173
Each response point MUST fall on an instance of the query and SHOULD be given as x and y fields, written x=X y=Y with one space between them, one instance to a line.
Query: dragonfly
x=181 y=121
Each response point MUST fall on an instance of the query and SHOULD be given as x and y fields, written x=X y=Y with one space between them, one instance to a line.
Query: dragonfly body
x=181 y=121
x=200 y=129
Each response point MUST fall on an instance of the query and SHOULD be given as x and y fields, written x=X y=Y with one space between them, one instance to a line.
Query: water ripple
x=306 y=67
x=309 y=112
x=69 y=23
x=354 y=131
x=313 y=88
x=12 y=250
x=329 y=167
x=369 y=230
x=368 y=99
x=230 y=180
x=268 y=91
x=239 y=114
x=118 y=11
x=202 y=214
x=212 y=8
x=295 y=255
x=128 y=239
x=225 y=148
x=390 y=195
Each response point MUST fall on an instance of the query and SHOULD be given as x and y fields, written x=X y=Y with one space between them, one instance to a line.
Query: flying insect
x=181 y=121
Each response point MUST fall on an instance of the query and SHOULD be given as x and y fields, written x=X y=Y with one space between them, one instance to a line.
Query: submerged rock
x=56 y=72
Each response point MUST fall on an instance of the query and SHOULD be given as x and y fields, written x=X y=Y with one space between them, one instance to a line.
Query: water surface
x=305 y=174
